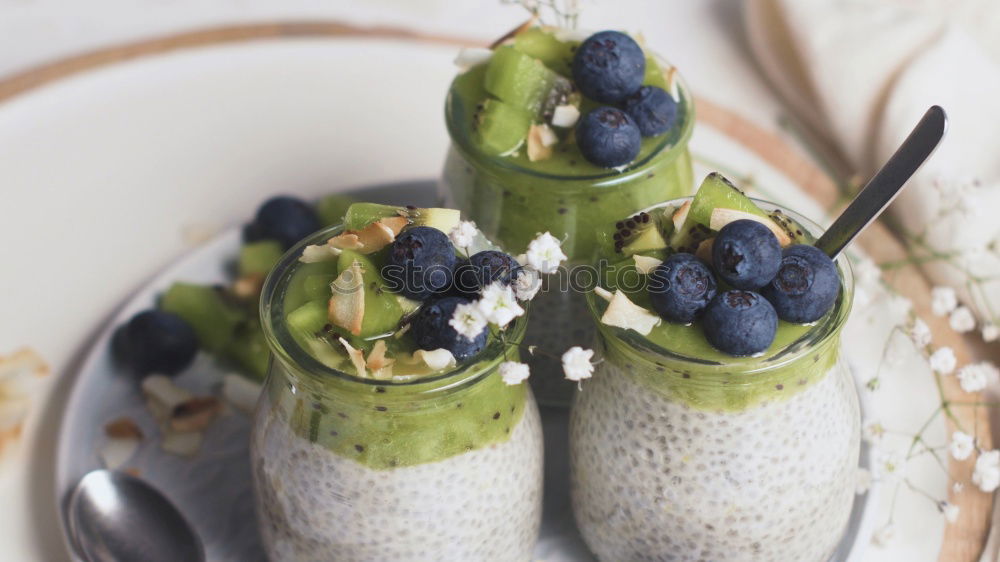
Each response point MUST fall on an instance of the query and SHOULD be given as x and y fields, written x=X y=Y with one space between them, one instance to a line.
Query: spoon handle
x=886 y=184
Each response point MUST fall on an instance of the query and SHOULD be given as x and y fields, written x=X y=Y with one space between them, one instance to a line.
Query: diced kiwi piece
x=382 y=310
x=308 y=319
x=641 y=233
x=716 y=191
x=524 y=82
x=360 y=215
x=213 y=319
x=331 y=208
x=318 y=286
x=542 y=44
x=624 y=276
x=297 y=293
x=249 y=349
x=257 y=258
x=654 y=74
x=499 y=128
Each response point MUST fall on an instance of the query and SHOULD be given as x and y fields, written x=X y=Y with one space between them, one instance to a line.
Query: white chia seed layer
x=483 y=505
x=654 y=479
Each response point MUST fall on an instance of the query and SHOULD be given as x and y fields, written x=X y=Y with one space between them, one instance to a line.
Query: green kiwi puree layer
x=511 y=198
x=407 y=420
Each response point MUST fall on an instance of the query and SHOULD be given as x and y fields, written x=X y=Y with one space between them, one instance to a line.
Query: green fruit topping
x=525 y=82
x=308 y=319
x=499 y=128
x=654 y=74
x=542 y=44
x=382 y=311
x=641 y=233
x=248 y=348
x=257 y=258
x=203 y=307
x=331 y=208
x=716 y=192
x=360 y=215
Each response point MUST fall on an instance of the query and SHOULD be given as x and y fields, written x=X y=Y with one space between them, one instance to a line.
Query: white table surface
x=703 y=38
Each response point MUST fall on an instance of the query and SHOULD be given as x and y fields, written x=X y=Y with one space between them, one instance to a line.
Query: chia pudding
x=383 y=433
x=514 y=195
x=681 y=452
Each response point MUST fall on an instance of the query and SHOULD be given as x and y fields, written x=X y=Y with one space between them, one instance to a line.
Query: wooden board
x=963 y=541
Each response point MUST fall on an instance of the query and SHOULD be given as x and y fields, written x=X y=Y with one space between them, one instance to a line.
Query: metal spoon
x=115 y=517
x=886 y=184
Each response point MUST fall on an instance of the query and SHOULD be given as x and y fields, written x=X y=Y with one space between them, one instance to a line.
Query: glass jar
x=512 y=200
x=346 y=468
x=677 y=457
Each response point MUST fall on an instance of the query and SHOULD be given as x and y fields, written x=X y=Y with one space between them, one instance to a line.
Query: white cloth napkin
x=862 y=72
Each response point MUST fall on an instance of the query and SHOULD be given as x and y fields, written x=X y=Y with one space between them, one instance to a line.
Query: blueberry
x=746 y=254
x=154 y=341
x=681 y=287
x=740 y=323
x=285 y=219
x=608 y=66
x=806 y=286
x=421 y=263
x=652 y=109
x=608 y=137
x=431 y=330
x=482 y=269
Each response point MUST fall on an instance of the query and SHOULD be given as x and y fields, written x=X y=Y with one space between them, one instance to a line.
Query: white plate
x=101 y=174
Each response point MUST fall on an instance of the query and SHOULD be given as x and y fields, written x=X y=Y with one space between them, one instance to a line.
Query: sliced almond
x=116 y=451
x=722 y=216
x=704 y=251
x=163 y=395
x=681 y=215
x=123 y=427
x=357 y=358
x=538 y=135
x=194 y=414
x=646 y=264
x=623 y=313
x=346 y=241
x=241 y=392
x=347 y=305
x=183 y=443
x=319 y=252
x=248 y=286
x=436 y=359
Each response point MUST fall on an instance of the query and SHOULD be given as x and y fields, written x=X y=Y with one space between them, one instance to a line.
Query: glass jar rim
x=821 y=334
x=672 y=145
x=286 y=349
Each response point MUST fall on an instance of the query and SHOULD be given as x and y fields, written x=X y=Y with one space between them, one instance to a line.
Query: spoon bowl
x=113 y=516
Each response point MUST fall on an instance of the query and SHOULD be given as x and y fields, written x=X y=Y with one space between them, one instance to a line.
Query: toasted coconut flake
x=13 y=411
x=194 y=414
x=395 y=224
x=565 y=116
x=510 y=34
x=163 y=395
x=20 y=374
x=248 y=286
x=123 y=427
x=357 y=358
x=116 y=451
x=347 y=305
x=183 y=443
x=646 y=264
x=540 y=140
x=377 y=359
x=623 y=313
x=373 y=237
x=472 y=56
x=241 y=392
x=603 y=293
x=345 y=241
x=680 y=215
x=673 y=84
x=436 y=359
x=319 y=252
x=704 y=251
x=721 y=217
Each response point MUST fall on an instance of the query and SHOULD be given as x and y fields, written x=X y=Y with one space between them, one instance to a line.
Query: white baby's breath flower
x=863 y=482
x=576 y=363
x=920 y=333
x=986 y=475
x=977 y=376
x=866 y=272
x=468 y=320
x=943 y=300
x=883 y=536
x=498 y=304
x=889 y=466
x=545 y=253
x=949 y=510
x=527 y=283
x=872 y=431
x=962 y=320
x=464 y=234
x=943 y=361
x=990 y=332
x=513 y=372
x=961 y=446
